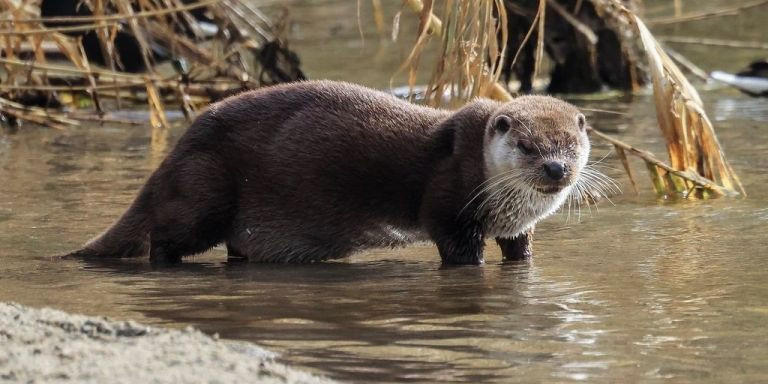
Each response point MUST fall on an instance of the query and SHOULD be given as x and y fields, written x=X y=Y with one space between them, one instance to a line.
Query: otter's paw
x=517 y=248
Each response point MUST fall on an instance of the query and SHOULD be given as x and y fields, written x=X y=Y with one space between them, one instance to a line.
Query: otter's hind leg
x=194 y=204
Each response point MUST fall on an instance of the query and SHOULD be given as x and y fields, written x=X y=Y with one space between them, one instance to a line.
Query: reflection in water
x=646 y=290
x=404 y=317
x=681 y=296
x=732 y=109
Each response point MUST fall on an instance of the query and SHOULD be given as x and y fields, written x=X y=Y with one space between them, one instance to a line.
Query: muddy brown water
x=649 y=289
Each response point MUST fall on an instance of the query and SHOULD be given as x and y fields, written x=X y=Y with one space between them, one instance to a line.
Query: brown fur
x=317 y=170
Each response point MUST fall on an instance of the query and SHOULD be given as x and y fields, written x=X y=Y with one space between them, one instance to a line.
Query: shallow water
x=648 y=289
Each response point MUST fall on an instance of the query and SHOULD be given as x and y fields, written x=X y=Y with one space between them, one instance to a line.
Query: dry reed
x=216 y=63
x=467 y=66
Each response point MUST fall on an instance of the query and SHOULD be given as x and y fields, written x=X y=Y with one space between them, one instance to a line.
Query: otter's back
x=317 y=147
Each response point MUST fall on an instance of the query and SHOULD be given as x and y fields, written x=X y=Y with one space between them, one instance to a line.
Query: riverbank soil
x=46 y=345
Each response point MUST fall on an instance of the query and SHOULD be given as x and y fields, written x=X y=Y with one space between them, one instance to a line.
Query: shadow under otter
x=317 y=170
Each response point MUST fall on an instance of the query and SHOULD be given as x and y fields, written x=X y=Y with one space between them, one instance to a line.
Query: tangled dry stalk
x=698 y=166
x=468 y=67
x=158 y=52
x=243 y=52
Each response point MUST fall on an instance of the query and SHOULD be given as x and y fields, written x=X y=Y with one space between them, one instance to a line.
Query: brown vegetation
x=214 y=47
x=468 y=66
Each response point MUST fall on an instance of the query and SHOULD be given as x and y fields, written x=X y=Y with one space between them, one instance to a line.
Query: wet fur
x=313 y=171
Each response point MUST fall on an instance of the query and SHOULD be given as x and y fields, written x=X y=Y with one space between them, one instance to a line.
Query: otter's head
x=538 y=144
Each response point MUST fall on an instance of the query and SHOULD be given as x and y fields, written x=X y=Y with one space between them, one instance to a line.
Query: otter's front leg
x=460 y=243
x=517 y=248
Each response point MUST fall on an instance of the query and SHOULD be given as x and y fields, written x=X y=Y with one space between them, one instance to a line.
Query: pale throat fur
x=519 y=142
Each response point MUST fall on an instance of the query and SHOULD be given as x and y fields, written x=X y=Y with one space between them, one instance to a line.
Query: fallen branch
x=664 y=170
x=697 y=161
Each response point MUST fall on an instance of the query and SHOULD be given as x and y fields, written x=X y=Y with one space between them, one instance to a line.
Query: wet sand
x=50 y=346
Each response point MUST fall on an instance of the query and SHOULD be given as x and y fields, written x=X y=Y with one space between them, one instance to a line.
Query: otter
x=317 y=170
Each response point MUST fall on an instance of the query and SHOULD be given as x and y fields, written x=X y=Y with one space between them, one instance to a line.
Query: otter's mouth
x=549 y=190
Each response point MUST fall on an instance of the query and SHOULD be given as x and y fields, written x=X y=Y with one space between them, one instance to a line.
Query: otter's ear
x=502 y=123
x=581 y=121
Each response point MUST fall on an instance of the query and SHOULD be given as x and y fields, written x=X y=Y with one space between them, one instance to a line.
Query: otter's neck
x=508 y=211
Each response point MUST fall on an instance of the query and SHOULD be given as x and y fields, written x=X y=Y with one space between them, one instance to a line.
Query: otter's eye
x=582 y=121
x=524 y=148
x=502 y=123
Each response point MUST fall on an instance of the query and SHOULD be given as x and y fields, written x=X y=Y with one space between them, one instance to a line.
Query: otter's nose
x=555 y=170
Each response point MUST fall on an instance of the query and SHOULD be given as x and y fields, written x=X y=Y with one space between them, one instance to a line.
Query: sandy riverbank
x=46 y=345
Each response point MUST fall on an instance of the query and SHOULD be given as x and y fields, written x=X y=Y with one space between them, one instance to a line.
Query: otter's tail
x=128 y=237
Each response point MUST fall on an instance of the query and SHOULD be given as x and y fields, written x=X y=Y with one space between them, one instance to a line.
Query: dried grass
x=217 y=64
x=467 y=67
x=469 y=50
x=698 y=166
